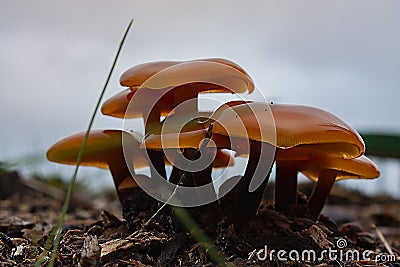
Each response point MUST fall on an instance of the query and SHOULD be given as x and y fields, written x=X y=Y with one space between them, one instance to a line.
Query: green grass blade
x=199 y=235
x=56 y=233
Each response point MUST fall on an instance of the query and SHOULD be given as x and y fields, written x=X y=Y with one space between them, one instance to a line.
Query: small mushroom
x=305 y=133
x=302 y=133
x=325 y=171
x=103 y=149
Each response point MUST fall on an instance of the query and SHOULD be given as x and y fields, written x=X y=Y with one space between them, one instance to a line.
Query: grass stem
x=55 y=235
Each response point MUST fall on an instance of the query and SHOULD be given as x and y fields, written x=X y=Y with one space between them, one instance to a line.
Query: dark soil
x=98 y=232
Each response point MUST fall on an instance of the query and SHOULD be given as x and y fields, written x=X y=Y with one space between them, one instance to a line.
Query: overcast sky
x=342 y=56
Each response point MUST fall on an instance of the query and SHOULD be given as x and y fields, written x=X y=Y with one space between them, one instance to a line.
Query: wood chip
x=90 y=252
x=317 y=235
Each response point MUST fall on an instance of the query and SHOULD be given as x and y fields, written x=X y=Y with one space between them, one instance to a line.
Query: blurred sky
x=342 y=56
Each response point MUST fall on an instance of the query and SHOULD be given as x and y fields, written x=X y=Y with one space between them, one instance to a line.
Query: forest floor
x=355 y=230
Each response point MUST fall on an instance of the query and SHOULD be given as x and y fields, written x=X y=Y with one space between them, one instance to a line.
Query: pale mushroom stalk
x=321 y=191
x=285 y=184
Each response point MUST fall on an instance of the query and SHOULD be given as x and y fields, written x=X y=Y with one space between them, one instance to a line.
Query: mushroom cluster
x=165 y=95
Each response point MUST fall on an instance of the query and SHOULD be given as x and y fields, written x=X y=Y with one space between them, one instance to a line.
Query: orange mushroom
x=325 y=171
x=302 y=133
x=103 y=149
x=305 y=133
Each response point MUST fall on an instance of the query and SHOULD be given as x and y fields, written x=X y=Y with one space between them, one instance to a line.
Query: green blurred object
x=382 y=145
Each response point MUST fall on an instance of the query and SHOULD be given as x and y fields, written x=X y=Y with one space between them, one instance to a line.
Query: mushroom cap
x=222 y=159
x=190 y=139
x=361 y=167
x=180 y=130
x=100 y=147
x=250 y=121
x=185 y=131
x=208 y=75
x=119 y=104
x=193 y=139
x=301 y=131
x=217 y=113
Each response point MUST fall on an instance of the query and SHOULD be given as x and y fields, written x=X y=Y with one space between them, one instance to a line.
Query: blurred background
x=341 y=56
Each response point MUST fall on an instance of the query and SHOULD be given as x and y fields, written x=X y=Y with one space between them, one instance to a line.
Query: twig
x=383 y=239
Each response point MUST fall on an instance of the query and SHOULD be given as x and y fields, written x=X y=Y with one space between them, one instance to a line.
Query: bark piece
x=90 y=252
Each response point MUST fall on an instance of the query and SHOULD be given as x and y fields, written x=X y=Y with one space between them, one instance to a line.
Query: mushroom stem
x=246 y=204
x=157 y=166
x=203 y=177
x=189 y=95
x=199 y=178
x=321 y=192
x=174 y=176
x=285 y=184
x=119 y=171
x=176 y=173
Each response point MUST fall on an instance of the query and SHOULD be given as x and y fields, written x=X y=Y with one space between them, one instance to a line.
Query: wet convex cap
x=104 y=149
